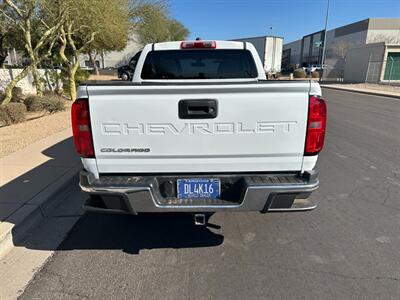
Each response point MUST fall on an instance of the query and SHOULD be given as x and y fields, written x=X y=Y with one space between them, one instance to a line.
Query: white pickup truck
x=199 y=129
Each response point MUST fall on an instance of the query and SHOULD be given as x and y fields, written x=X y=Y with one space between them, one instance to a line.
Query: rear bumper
x=241 y=192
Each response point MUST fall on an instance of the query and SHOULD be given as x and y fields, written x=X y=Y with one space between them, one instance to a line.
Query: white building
x=269 y=49
x=15 y=58
x=114 y=59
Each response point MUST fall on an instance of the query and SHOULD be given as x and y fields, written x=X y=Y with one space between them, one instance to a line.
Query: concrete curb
x=16 y=227
x=372 y=93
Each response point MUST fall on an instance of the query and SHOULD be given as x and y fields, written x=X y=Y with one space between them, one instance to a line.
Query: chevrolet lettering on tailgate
x=197 y=128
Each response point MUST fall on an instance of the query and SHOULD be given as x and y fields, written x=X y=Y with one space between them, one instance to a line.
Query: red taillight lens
x=199 y=45
x=81 y=128
x=316 y=125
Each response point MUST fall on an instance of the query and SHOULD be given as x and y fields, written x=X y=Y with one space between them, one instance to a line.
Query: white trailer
x=269 y=48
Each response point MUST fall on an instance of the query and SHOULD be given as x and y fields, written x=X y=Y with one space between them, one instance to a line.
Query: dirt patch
x=103 y=77
x=18 y=136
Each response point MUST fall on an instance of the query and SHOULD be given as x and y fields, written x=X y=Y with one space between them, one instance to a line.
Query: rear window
x=199 y=64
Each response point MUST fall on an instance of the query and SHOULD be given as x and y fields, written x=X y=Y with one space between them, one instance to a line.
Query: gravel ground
x=18 y=136
x=103 y=77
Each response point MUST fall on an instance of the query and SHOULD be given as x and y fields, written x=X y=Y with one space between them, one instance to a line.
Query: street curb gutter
x=361 y=92
x=16 y=227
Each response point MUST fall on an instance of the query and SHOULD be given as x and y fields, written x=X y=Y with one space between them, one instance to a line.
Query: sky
x=290 y=19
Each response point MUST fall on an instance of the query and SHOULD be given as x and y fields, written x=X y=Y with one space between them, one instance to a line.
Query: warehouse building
x=376 y=62
x=308 y=50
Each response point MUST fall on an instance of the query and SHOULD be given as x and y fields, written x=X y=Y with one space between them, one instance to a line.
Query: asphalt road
x=347 y=248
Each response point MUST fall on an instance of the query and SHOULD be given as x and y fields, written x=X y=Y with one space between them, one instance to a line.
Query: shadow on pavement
x=95 y=231
x=20 y=192
x=143 y=231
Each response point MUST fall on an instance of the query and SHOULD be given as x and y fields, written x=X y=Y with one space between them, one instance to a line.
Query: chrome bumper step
x=243 y=192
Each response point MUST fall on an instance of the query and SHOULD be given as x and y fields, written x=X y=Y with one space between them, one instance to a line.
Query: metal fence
x=385 y=72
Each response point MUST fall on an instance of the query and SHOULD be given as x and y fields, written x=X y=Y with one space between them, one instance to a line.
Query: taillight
x=316 y=125
x=199 y=45
x=81 y=128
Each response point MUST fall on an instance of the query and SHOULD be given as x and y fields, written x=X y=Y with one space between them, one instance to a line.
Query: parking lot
x=347 y=248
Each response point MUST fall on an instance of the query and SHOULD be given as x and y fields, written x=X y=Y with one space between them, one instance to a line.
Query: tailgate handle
x=198 y=109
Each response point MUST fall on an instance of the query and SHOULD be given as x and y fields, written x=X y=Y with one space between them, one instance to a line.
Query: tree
x=153 y=25
x=177 y=31
x=26 y=17
x=150 y=24
x=113 y=36
x=76 y=27
x=90 y=25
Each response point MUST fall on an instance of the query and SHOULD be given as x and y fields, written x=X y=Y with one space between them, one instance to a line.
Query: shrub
x=53 y=103
x=34 y=103
x=11 y=113
x=315 y=74
x=50 y=102
x=299 y=73
x=17 y=95
x=55 y=92
x=48 y=93
x=4 y=118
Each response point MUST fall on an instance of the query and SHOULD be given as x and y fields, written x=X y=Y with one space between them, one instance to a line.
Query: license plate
x=198 y=188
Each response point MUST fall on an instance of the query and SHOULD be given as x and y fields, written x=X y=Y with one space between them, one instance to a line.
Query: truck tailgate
x=258 y=127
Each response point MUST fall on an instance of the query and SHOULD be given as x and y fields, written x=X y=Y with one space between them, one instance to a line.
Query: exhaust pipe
x=199 y=219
